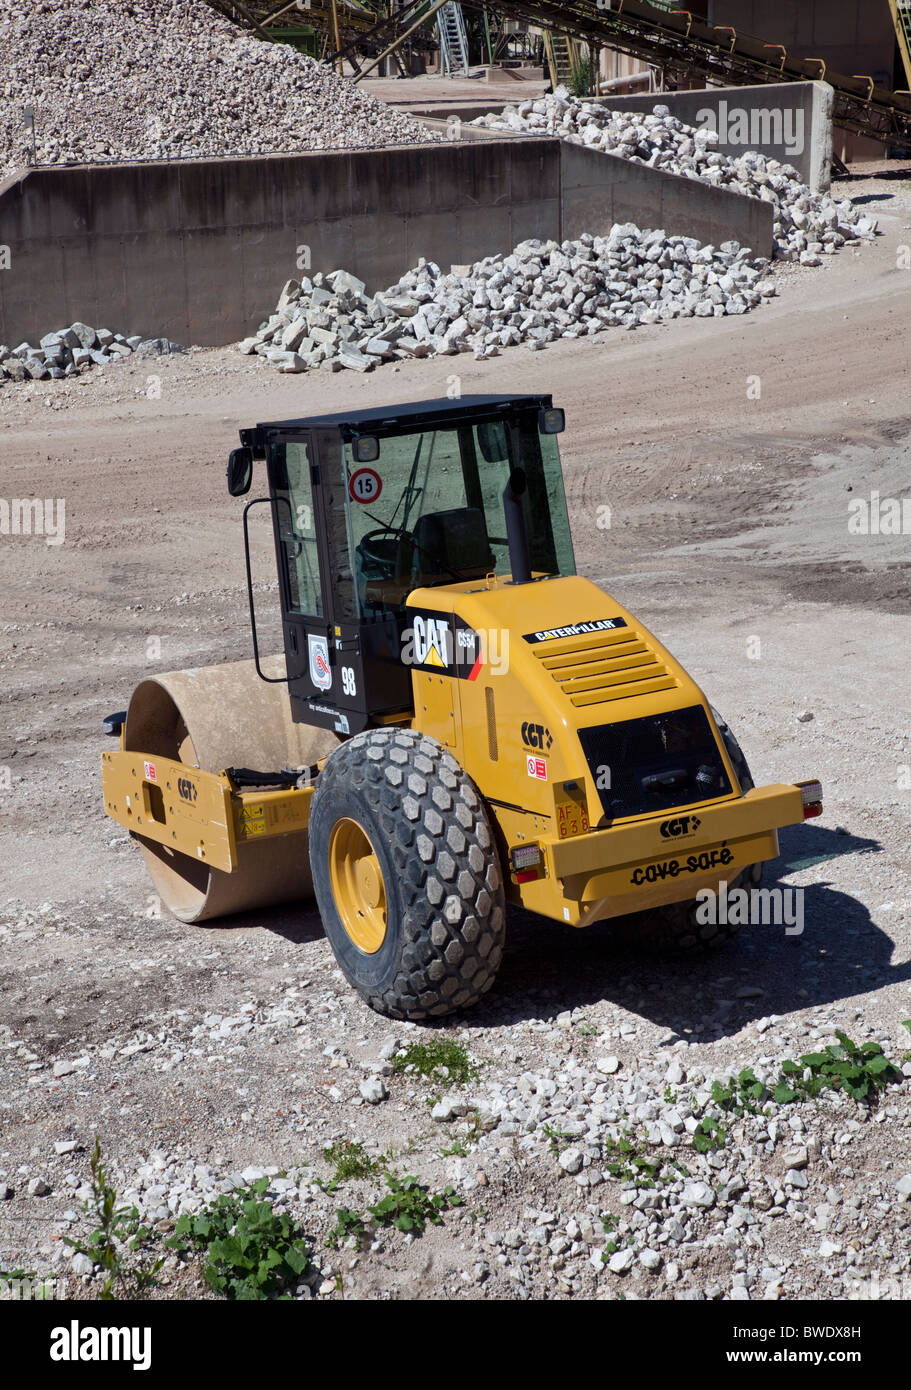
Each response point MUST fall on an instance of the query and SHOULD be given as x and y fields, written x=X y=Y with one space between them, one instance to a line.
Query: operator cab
x=368 y=506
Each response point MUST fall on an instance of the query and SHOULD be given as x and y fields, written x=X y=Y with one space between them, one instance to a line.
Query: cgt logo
x=536 y=736
x=680 y=827
x=186 y=789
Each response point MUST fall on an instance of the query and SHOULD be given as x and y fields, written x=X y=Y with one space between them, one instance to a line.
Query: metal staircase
x=901 y=17
x=561 y=56
x=453 y=40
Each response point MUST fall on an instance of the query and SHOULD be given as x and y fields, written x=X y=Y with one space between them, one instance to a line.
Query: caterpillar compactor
x=458 y=721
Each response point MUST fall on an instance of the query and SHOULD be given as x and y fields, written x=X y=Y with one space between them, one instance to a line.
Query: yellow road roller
x=458 y=721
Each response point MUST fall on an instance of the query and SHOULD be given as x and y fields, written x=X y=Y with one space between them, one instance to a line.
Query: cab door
x=303 y=569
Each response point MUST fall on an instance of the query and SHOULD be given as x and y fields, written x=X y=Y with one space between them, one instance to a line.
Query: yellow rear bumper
x=665 y=859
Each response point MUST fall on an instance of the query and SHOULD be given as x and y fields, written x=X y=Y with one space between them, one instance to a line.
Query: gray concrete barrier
x=600 y=189
x=789 y=121
x=198 y=249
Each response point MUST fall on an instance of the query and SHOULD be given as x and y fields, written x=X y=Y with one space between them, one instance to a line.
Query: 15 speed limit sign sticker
x=365 y=485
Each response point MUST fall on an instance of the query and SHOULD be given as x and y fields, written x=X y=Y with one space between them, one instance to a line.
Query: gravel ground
x=203 y=1056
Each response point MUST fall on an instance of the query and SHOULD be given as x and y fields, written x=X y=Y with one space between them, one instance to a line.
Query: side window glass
x=297 y=527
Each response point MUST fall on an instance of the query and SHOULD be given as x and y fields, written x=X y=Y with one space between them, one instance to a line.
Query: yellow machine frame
x=513 y=725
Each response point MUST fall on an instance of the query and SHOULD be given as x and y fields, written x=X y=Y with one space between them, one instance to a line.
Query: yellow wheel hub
x=358 y=886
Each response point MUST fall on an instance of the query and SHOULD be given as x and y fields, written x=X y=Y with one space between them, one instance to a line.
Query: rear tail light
x=811 y=796
x=527 y=862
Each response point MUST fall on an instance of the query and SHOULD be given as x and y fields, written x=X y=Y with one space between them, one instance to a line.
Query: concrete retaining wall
x=790 y=121
x=198 y=249
x=600 y=189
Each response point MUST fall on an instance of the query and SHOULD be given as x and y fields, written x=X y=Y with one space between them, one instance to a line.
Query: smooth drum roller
x=214 y=718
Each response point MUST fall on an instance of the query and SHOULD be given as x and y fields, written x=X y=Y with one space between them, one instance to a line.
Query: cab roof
x=389 y=417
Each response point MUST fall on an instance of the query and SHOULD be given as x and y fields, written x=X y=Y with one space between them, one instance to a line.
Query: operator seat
x=446 y=542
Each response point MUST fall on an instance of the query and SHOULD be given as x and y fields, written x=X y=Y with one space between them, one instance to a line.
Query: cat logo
x=432 y=642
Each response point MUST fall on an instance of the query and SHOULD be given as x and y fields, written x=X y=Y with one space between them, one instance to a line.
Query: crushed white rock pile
x=807 y=225
x=538 y=293
x=71 y=351
x=168 y=79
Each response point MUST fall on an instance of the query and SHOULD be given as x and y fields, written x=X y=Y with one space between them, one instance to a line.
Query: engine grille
x=612 y=665
x=678 y=746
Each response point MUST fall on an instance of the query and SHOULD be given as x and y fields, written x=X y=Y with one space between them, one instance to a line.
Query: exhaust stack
x=516 y=528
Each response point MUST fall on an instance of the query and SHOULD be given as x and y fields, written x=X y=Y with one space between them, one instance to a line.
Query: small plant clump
x=741 y=1094
x=456 y=1150
x=628 y=1163
x=557 y=1138
x=351 y=1161
x=709 y=1135
x=120 y=1245
x=408 y=1206
x=252 y=1251
x=585 y=1033
x=441 y=1059
x=580 y=78
x=613 y=1243
x=862 y=1072
x=349 y=1225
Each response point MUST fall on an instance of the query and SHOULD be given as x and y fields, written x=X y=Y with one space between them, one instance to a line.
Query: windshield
x=429 y=510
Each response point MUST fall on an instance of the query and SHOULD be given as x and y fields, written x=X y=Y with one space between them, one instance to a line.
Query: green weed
x=741 y=1094
x=441 y=1059
x=252 y=1251
x=614 y=1242
x=348 y=1223
x=628 y=1163
x=862 y=1072
x=709 y=1135
x=409 y=1206
x=557 y=1138
x=120 y=1246
x=351 y=1161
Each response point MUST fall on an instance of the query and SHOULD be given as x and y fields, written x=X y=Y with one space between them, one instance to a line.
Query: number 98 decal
x=349 y=684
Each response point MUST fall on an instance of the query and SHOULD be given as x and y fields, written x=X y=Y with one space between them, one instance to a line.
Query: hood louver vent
x=606 y=666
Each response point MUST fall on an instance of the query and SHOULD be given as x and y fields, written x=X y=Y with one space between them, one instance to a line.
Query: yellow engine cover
x=506 y=676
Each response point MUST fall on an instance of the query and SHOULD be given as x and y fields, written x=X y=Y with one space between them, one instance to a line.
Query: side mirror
x=240 y=471
x=492 y=440
x=552 y=421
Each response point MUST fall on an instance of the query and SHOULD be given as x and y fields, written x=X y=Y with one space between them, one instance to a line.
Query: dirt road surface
x=728 y=452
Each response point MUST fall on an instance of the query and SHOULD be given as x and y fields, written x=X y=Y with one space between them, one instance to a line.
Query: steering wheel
x=379 y=551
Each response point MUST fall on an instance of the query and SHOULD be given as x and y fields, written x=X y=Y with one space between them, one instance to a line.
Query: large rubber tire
x=433 y=841
x=735 y=753
x=673 y=930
